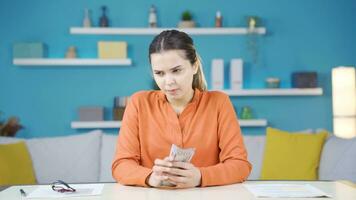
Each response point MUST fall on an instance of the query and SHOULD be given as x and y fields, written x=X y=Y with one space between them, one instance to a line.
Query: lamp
x=344 y=101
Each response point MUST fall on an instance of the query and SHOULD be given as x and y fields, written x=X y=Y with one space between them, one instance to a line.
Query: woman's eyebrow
x=173 y=68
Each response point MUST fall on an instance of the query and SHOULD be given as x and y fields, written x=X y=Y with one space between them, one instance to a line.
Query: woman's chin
x=174 y=96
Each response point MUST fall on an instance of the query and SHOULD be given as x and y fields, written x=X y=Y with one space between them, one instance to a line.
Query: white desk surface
x=114 y=191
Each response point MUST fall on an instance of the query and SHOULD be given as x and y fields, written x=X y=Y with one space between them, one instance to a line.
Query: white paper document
x=45 y=191
x=285 y=190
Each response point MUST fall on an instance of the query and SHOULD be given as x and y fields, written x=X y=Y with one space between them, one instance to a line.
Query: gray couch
x=87 y=157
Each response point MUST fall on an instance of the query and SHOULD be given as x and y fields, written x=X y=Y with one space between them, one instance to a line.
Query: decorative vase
x=186 y=24
x=104 y=21
x=218 y=19
x=86 y=20
x=152 y=18
x=71 y=52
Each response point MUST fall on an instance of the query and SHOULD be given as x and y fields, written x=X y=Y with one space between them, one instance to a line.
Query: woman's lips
x=172 y=91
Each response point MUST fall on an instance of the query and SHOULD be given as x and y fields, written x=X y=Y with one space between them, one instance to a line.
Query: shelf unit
x=117 y=124
x=70 y=62
x=155 y=31
x=276 y=92
x=194 y=31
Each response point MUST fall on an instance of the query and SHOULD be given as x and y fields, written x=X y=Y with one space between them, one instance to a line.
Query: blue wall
x=312 y=35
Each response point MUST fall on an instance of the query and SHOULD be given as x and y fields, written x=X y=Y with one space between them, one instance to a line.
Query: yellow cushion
x=15 y=165
x=292 y=156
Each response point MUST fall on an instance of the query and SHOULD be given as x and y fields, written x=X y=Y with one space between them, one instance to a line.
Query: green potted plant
x=10 y=127
x=186 y=20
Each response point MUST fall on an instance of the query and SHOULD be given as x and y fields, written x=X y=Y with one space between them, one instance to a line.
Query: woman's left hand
x=182 y=174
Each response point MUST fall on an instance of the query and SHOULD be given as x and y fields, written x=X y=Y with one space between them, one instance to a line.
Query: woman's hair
x=177 y=40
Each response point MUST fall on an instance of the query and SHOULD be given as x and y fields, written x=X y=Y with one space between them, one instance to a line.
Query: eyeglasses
x=62 y=187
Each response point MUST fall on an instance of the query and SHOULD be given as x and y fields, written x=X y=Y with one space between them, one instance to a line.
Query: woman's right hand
x=157 y=176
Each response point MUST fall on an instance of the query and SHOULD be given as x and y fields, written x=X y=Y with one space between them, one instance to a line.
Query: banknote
x=180 y=155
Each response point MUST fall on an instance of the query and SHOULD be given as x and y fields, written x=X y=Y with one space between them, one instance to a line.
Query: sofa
x=87 y=157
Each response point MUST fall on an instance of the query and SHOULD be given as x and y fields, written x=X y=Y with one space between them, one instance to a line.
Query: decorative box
x=304 y=80
x=29 y=50
x=236 y=74
x=217 y=74
x=112 y=50
x=91 y=113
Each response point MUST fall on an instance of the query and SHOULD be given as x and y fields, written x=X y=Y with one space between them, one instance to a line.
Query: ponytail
x=199 y=80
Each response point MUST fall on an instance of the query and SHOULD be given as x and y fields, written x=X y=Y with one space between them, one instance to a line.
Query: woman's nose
x=170 y=80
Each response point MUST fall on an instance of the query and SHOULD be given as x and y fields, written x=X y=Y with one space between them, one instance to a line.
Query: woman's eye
x=159 y=73
x=176 y=70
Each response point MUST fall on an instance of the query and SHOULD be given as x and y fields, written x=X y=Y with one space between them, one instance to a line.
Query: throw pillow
x=338 y=159
x=291 y=156
x=255 y=145
x=16 y=165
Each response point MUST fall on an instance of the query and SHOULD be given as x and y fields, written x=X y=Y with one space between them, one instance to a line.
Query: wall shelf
x=70 y=62
x=155 y=31
x=96 y=124
x=117 y=124
x=253 y=122
x=275 y=92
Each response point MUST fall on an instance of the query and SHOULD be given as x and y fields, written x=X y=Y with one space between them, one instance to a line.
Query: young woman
x=183 y=113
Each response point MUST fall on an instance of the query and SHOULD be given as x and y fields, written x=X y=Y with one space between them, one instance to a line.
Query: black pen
x=23 y=193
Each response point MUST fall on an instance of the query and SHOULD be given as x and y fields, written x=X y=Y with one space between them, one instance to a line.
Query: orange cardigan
x=208 y=123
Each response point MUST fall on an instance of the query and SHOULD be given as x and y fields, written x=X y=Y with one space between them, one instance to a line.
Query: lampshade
x=344 y=101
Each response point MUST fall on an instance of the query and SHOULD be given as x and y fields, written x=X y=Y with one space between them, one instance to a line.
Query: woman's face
x=173 y=73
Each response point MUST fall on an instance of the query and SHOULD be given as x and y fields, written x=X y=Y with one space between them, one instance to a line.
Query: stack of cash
x=179 y=155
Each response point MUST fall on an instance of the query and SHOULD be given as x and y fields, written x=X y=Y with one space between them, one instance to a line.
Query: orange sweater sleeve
x=233 y=166
x=126 y=168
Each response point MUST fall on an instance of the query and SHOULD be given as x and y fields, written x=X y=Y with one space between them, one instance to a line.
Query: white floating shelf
x=70 y=62
x=96 y=124
x=252 y=122
x=154 y=31
x=117 y=124
x=275 y=92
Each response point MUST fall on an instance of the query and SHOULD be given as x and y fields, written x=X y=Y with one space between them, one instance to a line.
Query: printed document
x=45 y=191
x=285 y=190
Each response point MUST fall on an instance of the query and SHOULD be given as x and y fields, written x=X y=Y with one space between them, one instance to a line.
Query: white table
x=113 y=191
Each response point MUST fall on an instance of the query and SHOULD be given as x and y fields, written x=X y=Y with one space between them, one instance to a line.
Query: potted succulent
x=186 y=20
x=10 y=127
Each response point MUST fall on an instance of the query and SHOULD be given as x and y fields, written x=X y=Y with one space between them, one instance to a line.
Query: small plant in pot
x=10 y=127
x=186 y=20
